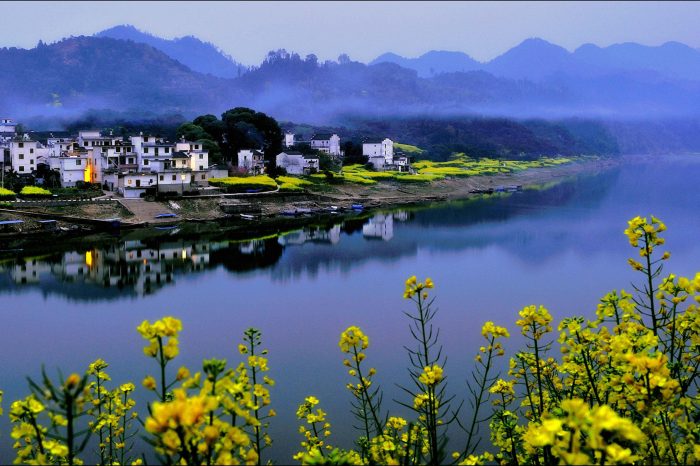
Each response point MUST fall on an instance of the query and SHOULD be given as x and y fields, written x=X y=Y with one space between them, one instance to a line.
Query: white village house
x=296 y=163
x=252 y=161
x=379 y=152
x=326 y=142
x=23 y=155
x=8 y=129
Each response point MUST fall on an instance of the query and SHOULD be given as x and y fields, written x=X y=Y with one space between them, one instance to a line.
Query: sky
x=363 y=30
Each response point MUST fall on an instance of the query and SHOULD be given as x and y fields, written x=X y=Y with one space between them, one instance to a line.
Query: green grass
x=459 y=166
x=409 y=149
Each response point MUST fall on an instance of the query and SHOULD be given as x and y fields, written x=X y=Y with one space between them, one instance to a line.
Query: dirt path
x=145 y=212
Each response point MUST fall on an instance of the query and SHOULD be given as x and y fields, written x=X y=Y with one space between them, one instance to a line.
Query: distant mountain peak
x=538 y=44
x=199 y=56
x=431 y=63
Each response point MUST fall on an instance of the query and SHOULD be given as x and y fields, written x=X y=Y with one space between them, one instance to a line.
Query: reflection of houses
x=311 y=234
x=255 y=246
x=401 y=216
x=133 y=264
x=381 y=226
x=30 y=271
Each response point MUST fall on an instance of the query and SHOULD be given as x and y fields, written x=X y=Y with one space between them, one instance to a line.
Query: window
x=31 y=162
x=174 y=177
x=156 y=151
x=31 y=151
x=204 y=177
x=145 y=150
x=21 y=156
x=201 y=156
x=161 y=177
x=196 y=147
x=145 y=162
x=138 y=183
x=167 y=150
x=201 y=167
x=21 y=168
x=131 y=160
x=78 y=162
x=21 y=144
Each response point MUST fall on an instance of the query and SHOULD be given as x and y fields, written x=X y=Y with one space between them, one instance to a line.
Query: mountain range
x=128 y=71
x=537 y=59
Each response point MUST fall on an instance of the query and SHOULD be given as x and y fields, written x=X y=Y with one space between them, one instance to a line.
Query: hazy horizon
x=363 y=30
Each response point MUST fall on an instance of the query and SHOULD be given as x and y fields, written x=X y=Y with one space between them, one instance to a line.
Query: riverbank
x=267 y=211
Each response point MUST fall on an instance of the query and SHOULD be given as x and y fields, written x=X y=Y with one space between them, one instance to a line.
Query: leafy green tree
x=244 y=128
x=211 y=125
x=192 y=132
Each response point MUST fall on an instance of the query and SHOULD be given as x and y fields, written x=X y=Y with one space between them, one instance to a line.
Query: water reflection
x=139 y=267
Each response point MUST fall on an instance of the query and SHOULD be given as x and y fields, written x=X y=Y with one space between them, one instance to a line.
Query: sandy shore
x=271 y=208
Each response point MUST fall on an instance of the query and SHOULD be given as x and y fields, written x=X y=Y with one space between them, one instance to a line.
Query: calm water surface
x=562 y=247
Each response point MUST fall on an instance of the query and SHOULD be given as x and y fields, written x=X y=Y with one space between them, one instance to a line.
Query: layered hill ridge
x=538 y=59
x=536 y=79
x=199 y=56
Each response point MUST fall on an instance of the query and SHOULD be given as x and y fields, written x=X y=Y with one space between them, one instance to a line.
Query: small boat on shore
x=168 y=215
x=249 y=217
x=358 y=207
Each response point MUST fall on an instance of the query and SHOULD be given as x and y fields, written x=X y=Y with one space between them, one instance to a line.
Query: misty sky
x=364 y=30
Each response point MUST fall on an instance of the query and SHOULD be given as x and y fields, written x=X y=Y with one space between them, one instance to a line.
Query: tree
x=244 y=128
x=211 y=125
x=192 y=132
x=353 y=154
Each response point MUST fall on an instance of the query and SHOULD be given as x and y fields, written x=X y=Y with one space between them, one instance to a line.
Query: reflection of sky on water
x=562 y=247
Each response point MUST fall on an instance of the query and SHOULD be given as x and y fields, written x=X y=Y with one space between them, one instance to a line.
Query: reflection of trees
x=131 y=266
x=583 y=191
x=248 y=255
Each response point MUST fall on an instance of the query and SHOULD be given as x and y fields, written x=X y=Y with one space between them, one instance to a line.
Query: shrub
x=292 y=184
x=34 y=191
x=242 y=184
x=6 y=194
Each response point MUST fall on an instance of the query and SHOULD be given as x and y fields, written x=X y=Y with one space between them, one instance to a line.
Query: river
x=561 y=246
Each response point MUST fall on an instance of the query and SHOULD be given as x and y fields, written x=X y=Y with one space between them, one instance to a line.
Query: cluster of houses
x=135 y=166
x=380 y=153
x=128 y=167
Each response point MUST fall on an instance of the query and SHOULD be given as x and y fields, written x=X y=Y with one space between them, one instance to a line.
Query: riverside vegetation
x=426 y=171
x=624 y=389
